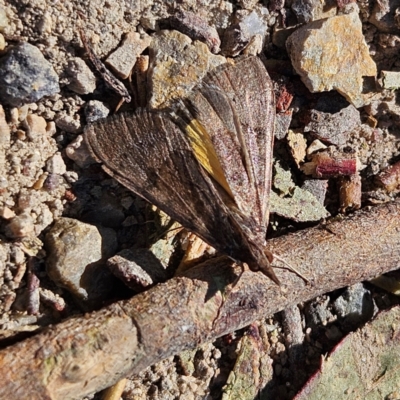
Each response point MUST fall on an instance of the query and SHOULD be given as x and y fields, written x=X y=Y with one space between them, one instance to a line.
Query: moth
x=207 y=164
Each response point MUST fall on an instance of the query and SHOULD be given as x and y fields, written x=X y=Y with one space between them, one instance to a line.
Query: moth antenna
x=290 y=268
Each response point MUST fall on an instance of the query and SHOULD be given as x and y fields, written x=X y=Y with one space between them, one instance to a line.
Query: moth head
x=263 y=265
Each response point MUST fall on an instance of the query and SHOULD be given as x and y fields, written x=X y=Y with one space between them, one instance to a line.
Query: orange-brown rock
x=332 y=54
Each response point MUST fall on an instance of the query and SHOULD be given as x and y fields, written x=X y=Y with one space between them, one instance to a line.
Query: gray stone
x=76 y=254
x=197 y=28
x=137 y=268
x=390 y=79
x=243 y=31
x=68 y=123
x=332 y=120
x=26 y=76
x=95 y=110
x=292 y=202
x=302 y=206
x=312 y=10
x=317 y=312
x=282 y=123
x=317 y=187
x=385 y=15
x=56 y=165
x=355 y=305
x=81 y=78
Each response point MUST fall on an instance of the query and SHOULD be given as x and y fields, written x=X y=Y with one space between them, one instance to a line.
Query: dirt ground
x=47 y=176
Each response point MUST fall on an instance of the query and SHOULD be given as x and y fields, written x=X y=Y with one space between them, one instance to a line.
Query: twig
x=111 y=81
x=86 y=354
x=33 y=288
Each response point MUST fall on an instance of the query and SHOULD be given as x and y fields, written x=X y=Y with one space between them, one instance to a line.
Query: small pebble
x=68 y=123
x=6 y=213
x=282 y=123
x=333 y=120
x=123 y=59
x=177 y=64
x=317 y=187
x=2 y=42
x=315 y=146
x=390 y=79
x=197 y=28
x=5 y=131
x=82 y=79
x=137 y=268
x=312 y=10
x=95 y=110
x=317 y=313
x=21 y=226
x=78 y=152
x=36 y=126
x=73 y=249
x=385 y=15
x=248 y=4
x=26 y=76
x=240 y=34
x=56 y=164
x=355 y=305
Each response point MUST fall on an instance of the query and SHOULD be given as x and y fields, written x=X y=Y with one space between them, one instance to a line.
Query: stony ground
x=59 y=212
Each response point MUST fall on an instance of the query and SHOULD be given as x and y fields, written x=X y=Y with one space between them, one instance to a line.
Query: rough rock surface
x=333 y=120
x=123 y=59
x=331 y=54
x=82 y=79
x=312 y=10
x=75 y=249
x=177 y=65
x=26 y=76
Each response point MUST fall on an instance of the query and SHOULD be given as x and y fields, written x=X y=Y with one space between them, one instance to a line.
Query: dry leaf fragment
x=364 y=365
x=302 y=206
x=293 y=202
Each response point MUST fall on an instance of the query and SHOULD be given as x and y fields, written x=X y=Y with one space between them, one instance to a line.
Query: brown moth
x=207 y=165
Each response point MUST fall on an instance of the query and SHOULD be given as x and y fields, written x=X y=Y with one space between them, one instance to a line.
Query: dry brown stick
x=111 y=81
x=88 y=353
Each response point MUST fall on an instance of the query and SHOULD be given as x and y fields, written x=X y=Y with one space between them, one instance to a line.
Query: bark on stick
x=86 y=354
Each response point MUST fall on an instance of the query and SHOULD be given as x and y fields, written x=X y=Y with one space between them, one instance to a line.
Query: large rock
x=26 y=76
x=176 y=65
x=332 y=54
x=76 y=252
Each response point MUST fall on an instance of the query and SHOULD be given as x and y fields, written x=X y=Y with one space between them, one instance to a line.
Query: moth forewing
x=236 y=106
x=196 y=170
